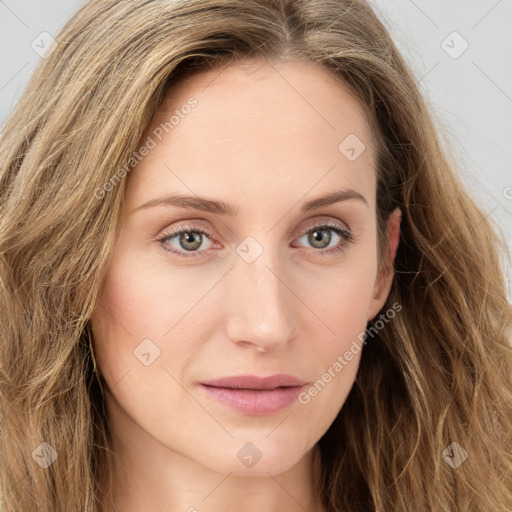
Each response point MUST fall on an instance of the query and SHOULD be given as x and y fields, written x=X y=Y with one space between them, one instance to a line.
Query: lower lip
x=255 y=402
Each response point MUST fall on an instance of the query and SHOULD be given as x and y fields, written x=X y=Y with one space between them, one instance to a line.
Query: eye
x=320 y=237
x=187 y=239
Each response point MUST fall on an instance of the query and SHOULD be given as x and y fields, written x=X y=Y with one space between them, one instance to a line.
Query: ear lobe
x=385 y=279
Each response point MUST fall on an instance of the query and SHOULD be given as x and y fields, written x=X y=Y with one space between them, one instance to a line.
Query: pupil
x=190 y=237
x=324 y=236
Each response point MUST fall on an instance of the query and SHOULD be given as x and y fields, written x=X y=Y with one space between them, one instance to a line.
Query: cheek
x=340 y=302
x=144 y=297
x=341 y=295
x=128 y=313
x=143 y=300
x=143 y=343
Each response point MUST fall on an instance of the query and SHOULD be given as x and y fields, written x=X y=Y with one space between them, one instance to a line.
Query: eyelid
x=323 y=221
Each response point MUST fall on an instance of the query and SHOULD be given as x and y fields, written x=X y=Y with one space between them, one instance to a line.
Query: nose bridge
x=260 y=305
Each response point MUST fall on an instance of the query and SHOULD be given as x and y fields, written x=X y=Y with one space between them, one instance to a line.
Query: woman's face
x=256 y=285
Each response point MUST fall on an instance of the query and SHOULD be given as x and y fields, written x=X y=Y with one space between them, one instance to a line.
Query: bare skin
x=264 y=139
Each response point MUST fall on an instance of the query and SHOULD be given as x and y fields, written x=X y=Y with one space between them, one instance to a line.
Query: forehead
x=258 y=127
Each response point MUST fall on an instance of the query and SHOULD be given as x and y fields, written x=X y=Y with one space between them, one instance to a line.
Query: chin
x=258 y=457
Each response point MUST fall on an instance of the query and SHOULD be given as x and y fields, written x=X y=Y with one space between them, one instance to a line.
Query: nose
x=260 y=306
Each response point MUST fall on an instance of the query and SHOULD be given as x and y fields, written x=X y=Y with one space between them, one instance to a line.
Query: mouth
x=254 y=395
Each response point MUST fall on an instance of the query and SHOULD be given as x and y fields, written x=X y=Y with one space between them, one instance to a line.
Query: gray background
x=470 y=92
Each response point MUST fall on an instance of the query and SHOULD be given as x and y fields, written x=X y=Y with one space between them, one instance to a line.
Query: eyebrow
x=222 y=208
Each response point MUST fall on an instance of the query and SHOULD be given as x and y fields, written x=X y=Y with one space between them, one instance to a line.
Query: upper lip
x=255 y=382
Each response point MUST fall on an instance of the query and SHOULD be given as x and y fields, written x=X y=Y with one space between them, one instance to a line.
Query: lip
x=253 y=395
x=255 y=382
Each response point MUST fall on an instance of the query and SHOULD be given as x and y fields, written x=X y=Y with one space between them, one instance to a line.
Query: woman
x=239 y=273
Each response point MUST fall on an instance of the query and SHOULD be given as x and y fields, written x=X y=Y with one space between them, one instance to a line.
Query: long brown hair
x=439 y=373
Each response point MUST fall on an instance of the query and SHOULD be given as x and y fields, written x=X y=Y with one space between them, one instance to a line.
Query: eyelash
x=344 y=233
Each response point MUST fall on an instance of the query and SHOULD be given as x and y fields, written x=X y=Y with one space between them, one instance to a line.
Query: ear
x=385 y=279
